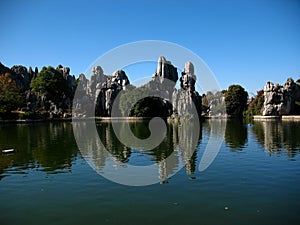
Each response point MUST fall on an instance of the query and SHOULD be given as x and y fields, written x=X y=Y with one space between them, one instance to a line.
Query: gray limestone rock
x=100 y=91
x=188 y=78
x=165 y=70
x=22 y=76
x=281 y=100
x=187 y=100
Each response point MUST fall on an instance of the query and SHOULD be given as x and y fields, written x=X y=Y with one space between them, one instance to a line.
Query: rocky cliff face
x=20 y=75
x=282 y=100
x=100 y=91
x=38 y=102
x=164 y=79
x=186 y=100
x=108 y=90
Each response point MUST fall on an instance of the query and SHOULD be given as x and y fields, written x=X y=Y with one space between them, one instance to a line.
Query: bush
x=236 y=100
x=256 y=104
x=10 y=95
x=49 y=81
x=149 y=106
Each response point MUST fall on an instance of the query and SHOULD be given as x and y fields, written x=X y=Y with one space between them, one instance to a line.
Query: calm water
x=255 y=178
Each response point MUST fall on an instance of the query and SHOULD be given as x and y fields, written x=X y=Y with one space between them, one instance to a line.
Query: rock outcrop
x=42 y=102
x=281 y=100
x=187 y=100
x=107 y=92
x=100 y=91
x=164 y=79
x=184 y=101
x=20 y=75
x=54 y=106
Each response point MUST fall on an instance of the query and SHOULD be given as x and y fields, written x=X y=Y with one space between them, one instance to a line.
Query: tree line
x=51 y=82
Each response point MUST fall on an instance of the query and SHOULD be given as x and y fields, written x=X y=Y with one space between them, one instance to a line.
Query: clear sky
x=243 y=42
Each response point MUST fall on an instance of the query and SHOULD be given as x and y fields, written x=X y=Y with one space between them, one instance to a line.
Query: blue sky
x=243 y=42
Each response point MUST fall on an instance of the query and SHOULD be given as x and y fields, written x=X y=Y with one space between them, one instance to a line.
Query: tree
x=141 y=102
x=10 y=95
x=255 y=105
x=49 y=81
x=236 y=100
x=151 y=107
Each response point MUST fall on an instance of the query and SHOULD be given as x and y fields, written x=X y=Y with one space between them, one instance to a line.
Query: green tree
x=10 y=95
x=255 y=105
x=151 y=107
x=141 y=102
x=236 y=100
x=49 y=81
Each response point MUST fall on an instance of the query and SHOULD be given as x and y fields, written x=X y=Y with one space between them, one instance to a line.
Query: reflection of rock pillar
x=175 y=134
x=189 y=167
x=273 y=131
x=188 y=142
x=162 y=170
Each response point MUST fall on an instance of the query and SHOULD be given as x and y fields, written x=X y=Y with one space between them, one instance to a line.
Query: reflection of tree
x=48 y=146
x=111 y=142
x=178 y=145
x=55 y=147
x=51 y=147
x=235 y=133
x=278 y=135
x=140 y=129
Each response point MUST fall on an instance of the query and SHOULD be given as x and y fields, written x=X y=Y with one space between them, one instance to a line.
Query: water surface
x=255 y=178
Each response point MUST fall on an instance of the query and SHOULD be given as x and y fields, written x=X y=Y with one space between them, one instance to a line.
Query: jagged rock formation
x=108 y=91
x=165 y=70
x=164 y=79
x=42 y=102
x=20 y=75
x=188 y=78
x=186 y=100
x=281 y=100
x=100 y=90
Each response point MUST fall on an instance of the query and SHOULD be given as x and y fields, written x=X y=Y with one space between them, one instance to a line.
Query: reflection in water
x=45 y=147
x=278 y=135
x=236 y=134
x=252 y=188
x=51 y=147
x=107 y=154
x=214 y=132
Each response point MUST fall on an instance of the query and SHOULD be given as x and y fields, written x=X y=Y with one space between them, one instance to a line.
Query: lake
x=254 y=177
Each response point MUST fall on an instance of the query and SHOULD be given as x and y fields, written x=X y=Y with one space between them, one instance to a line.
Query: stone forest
x=49 y=94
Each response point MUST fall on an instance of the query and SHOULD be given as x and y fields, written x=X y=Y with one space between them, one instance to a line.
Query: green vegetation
x=151 y=107
x=10 y=95
x=236 y=100
x=138 y=103
x=49 y=81
x=51 y=92
x=256 y=104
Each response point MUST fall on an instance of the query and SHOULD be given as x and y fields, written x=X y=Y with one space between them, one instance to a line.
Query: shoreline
x=97 y=119
x=277 y=118
x=139 y=119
